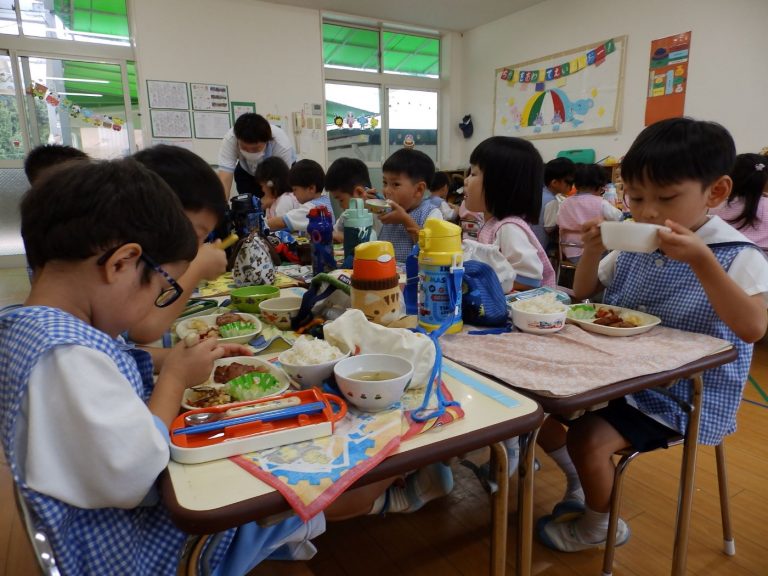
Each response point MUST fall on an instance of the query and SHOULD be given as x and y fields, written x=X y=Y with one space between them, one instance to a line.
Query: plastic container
x=320 y=230
x=376 y=283
x=358 y=228
x=440 y=255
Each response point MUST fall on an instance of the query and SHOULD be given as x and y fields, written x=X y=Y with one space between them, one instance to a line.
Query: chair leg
x=729 y=545
x=613 y=520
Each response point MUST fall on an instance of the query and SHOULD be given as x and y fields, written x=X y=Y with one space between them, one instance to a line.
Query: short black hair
x=252 y=128
x=513 y=176
x=440 y=179
x=589 y=177
x=43 y=157
x=275 y=170
x=346 y=174
x=189 y=176
x=558 y=169
x=413 y=163
x=80 y=209
x=750 y=180
x=306 y=173
x=678 y=149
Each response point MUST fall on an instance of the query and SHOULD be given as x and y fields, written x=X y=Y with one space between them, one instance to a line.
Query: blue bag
x=483 y=302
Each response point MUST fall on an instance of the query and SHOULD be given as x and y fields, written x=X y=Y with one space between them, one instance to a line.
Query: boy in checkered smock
x=407 y=175
x=84 y=427
x=706 y=277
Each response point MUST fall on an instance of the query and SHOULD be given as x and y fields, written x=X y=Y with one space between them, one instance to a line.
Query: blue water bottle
x=320 y=231
x=358 y=228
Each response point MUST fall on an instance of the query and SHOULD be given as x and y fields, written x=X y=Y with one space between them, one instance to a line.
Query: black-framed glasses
x=169 y=295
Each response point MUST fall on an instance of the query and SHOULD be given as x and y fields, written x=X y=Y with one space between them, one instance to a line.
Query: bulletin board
x=571 y=93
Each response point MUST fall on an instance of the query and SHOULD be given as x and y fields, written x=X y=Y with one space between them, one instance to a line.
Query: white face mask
x=252 y=156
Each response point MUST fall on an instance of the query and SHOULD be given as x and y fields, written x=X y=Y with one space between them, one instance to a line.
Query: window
x=99 y=21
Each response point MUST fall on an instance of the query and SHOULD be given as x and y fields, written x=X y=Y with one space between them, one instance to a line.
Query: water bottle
x=320 y=231
x=440 y=255
x=376 y=283
x=358 y=228
x=610 y=195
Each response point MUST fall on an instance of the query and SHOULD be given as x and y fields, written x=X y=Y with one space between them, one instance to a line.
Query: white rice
x=544 y=304
x=308 y=351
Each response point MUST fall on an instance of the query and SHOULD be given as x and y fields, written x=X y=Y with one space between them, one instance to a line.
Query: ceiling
x=439 y=15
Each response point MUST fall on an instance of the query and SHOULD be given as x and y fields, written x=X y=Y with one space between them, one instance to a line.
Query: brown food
x=607 y=317
x=228 y=319
x=224 y=374
x=207 y=396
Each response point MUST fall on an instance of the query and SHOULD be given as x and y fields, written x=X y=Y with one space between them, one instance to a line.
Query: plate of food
x=611 y=320
x=229 y=327
x=237 y=379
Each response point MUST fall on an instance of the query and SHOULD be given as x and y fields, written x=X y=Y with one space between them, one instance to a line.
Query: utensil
x=197 y=418
x=278 y=414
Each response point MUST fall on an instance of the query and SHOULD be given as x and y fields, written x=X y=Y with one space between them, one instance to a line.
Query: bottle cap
x=357 y=216
x=374 y=261
x=440 y=236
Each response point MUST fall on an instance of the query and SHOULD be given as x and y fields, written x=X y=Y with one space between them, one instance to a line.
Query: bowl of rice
x=541 y=315
x=310 y=361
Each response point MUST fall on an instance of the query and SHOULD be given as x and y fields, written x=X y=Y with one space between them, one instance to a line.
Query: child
x=587 y=204
x=707 y=278
x=307 y=179
x=272 y=176
x=347 y=178
x=199 y=190
x=406 y=177
x=439 y=194
x=85 y=429
x=558 y=181
x=747 y=208
x=504 y=183
x=43 y=157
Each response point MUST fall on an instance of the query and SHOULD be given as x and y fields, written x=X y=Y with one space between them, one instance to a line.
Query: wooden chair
x=627 y=456
x=563 y=263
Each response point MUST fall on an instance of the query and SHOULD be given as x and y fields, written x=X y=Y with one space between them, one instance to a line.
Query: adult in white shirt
x=250 y=141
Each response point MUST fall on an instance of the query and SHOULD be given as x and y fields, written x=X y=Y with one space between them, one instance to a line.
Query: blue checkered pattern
x=140 y=541
x=668 y=289
x=398 y=235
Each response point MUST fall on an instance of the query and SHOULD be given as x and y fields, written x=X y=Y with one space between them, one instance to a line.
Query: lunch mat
x=573 y=360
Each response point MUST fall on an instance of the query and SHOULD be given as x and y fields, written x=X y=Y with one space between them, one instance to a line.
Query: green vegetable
x=252 y=386
x=236 y=329
x=581 y=312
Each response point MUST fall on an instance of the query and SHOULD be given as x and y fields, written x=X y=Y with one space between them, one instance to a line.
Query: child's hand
x=231 y=350
x=191 y=365
x=591 y=238
x=211 y=261
x=397 y=215
x=371 y=193
x=682 y=244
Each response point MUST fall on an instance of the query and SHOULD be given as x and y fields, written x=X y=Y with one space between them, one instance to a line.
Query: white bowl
x=378 y=206
x=631 y=236
x=280 y=311
x=373 y=395
x=187 y=326
x=536 y=322
x=308 y=375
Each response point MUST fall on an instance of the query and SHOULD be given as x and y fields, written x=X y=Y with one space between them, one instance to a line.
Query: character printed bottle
x=375 y=283
x=358 y=228
x=320 y=231
x=440 y=255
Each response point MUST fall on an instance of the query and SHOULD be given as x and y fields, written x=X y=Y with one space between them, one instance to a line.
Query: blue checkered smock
x=136 y=542
x=667 y=288
x=398 y=235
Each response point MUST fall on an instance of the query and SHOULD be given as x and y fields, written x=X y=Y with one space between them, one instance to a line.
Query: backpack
x=253 y=262
x=327 y=298
x=482 y=302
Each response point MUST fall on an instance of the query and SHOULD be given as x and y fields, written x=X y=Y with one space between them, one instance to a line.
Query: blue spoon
x=279 y=414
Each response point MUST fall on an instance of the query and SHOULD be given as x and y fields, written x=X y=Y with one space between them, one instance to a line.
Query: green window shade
x=348 y=47
x=409 y=54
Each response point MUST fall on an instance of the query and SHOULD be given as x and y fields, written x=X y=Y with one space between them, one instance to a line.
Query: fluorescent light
x=87 y=80
x=80 y=94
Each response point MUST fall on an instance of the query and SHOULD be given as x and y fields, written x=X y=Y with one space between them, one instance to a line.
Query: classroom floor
x=450 y=536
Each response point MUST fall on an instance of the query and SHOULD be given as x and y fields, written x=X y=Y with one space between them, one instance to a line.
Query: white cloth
x=447 y=212
x=748 y=269
x=230 y=155
x=297 y=219
x=492 y=256
x=109 y=451
x=550 y=212
x=283 y=204
x=514 y=245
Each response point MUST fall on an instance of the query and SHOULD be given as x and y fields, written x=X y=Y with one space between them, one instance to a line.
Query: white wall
x=727 y=79
x=264 y=53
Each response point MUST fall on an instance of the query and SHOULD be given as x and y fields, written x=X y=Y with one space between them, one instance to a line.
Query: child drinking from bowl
x=707 y=278
x=85 y=428
x=272 y=176
x=307 y=180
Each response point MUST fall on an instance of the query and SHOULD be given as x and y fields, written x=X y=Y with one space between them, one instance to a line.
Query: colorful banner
x=87 y=115
x=667 y=77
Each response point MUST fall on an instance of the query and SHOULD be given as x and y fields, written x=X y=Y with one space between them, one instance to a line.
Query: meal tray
x=257 y=435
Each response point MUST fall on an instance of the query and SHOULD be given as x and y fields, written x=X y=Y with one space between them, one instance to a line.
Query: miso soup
x=373 y=375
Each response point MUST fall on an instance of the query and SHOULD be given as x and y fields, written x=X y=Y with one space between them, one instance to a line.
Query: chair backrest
x=579 y=156
x=563 y=263
x=39 y=541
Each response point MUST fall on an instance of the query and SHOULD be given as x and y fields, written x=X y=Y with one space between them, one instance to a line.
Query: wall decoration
x=210 y=124
x=667 y=78
x=164 y=94
x=566 y=94
x=65 y=105
x=170 y=123
x=240 y=108
x=210 y=97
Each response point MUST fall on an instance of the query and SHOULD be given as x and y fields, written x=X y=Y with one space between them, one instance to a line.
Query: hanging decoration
x=42 y=92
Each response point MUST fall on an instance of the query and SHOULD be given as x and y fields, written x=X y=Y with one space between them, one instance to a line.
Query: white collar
x=716 y=230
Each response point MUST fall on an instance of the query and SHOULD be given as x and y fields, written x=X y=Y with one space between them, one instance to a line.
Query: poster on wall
x=566 y=94
x=210 y=124
x=170 y=124
x=164 y=94
x=240 y=108
x=667 y=77
x=210 y=97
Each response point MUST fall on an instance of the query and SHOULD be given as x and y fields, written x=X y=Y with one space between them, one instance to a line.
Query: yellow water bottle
x=440 y=255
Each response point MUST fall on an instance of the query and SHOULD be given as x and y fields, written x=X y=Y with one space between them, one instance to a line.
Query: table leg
x=685 y=500
x=499 y=506
x=525 y=503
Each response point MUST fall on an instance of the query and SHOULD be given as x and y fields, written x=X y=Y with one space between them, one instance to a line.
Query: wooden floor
x=450 y=536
